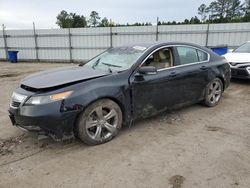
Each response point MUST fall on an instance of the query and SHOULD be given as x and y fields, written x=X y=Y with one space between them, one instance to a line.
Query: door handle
x=173 y=74
x=203 y=67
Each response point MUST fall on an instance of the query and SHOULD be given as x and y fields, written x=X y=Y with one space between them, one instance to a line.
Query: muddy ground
x=195 y=146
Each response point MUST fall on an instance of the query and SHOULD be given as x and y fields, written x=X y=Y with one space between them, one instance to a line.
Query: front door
x=152 y=93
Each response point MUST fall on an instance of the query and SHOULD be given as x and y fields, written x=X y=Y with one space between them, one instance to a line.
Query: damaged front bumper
x=48 y=119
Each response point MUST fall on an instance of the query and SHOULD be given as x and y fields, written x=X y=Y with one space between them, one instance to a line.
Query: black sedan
x=94 y=100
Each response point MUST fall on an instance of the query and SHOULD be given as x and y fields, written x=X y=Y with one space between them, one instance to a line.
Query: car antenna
x=110 y=70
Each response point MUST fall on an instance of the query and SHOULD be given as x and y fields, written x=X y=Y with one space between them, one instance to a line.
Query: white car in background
x=239 y=60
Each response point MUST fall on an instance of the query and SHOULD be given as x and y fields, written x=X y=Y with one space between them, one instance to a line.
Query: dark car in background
x=94 y=100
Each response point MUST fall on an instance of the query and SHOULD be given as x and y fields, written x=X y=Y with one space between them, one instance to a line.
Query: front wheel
x=100 y=122
x=213 y=92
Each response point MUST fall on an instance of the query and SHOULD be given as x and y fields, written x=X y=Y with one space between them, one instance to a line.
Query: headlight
x=248 y=70
x=43 y=99
x=18 y=97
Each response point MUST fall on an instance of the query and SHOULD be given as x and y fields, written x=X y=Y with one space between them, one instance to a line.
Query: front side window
x=160 y=59
x=116 y=59
x=191 y=55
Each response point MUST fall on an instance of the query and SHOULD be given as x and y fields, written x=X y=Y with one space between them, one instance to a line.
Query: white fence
x=80 y=44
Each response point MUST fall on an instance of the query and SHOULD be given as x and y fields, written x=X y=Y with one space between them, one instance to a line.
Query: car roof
x=154 y=44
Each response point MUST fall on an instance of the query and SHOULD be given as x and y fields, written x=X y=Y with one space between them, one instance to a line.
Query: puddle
x=9 y=75
x=176 y=181
x=213 y=129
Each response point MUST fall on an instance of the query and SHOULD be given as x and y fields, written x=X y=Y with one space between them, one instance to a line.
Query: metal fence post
x=157 y=30
x=111 y=37
x=207 y=37
x=35 y=39
x=70 y=47
x=5 y=42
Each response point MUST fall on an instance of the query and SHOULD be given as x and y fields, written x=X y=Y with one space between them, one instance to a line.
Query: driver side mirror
x=147 y=70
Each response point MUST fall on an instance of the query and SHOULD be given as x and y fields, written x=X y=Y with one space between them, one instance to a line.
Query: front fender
x=88 y=92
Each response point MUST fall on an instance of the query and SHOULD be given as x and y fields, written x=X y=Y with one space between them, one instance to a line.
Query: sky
x=19 y=14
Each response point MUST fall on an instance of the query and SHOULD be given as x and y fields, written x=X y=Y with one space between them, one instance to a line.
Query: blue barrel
x=220 y=50
x=12 y=56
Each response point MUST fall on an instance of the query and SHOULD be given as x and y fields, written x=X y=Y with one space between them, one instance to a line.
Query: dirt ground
x=195 y=146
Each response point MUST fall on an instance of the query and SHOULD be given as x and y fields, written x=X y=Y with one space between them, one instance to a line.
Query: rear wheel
x=100 y=122
x=213 y=92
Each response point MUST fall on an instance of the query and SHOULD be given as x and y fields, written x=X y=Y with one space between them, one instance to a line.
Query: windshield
x=245 y=48
x=116 y=59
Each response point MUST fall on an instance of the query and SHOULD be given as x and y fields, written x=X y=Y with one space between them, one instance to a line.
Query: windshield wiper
x=96 y=63
x=112 y=65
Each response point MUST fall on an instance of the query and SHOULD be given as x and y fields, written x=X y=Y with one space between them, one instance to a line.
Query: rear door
x=192 y=67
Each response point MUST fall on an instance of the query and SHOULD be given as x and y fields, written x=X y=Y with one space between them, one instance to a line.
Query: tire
x=213 y=92
x=100 y=122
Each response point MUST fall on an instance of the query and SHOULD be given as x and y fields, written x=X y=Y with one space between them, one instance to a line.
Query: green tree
x=194 y=20
x=148 y=24
x=71 y=20
x=77 y=20
x=218 y=9
x=247 y=11
x=94 y=19
x=223 y=10
x=235 y=9
x=63 y=19
x=186 y=21
x=104 y=22
x=202 y=11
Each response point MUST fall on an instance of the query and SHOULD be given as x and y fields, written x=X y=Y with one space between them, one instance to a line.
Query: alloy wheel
x=102 y=123
x=215 y=92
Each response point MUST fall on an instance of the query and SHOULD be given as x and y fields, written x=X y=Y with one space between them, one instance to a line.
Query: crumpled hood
x=61 y=76
x=238 y=57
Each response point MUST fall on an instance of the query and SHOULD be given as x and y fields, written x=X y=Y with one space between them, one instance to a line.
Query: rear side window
x=187 y=55
x=202 y=55
x=191 y=55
